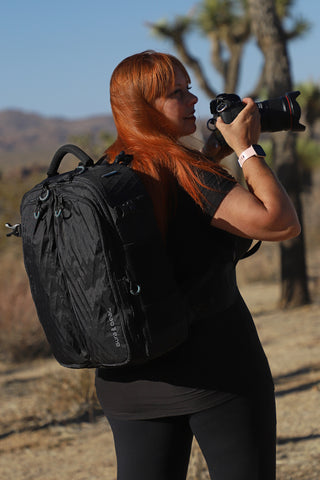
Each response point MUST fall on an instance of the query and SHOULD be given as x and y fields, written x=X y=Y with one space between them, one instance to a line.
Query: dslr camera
x=282 y=113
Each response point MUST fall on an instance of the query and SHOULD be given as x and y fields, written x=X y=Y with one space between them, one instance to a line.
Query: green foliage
x=309 y=90
x=283 y=7
x=267 y=147
x=93 y=145
x=164 y=28
x=216 y=14
x=308 y=152
x=310 y=101
x=298 y=26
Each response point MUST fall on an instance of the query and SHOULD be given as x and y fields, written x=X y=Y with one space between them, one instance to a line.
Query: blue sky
x=57 y=57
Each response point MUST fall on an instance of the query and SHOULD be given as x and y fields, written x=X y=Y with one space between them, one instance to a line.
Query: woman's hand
x=245 y=129
x=214 y=150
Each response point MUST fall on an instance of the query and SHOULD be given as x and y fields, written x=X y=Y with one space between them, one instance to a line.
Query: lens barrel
x=282 y=113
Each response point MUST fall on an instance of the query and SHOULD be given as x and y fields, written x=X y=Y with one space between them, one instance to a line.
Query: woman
x=217 y=386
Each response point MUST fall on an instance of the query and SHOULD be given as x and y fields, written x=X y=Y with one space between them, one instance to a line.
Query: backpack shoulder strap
x=252 y=250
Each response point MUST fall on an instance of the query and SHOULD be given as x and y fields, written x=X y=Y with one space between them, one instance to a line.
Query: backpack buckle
x=15 y=229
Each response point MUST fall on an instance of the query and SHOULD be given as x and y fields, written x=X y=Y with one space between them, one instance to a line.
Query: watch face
x=259 y=150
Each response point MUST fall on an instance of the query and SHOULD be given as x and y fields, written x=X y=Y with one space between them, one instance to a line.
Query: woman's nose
x=193 y=99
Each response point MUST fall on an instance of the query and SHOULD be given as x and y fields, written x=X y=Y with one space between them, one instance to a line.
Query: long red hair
x=145 y=133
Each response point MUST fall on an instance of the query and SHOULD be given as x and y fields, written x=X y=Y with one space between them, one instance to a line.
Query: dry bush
x=21 y=336
x=44 y=394
x=69 y=394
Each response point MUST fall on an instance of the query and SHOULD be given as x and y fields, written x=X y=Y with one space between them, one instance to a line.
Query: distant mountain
x=30 y=138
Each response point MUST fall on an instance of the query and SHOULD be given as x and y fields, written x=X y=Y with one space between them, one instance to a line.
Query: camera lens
x=282 y=113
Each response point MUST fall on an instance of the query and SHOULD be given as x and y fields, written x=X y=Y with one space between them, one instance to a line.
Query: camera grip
x=229 y=115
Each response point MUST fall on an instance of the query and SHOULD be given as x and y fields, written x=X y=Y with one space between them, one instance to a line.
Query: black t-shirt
x=223 y=356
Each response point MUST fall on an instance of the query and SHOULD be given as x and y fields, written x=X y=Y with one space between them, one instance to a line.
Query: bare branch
x=176 y=34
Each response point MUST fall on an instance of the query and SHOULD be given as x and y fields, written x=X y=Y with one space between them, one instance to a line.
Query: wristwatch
x=253 y=151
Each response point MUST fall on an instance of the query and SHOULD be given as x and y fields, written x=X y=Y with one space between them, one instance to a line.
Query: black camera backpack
x=98 y=271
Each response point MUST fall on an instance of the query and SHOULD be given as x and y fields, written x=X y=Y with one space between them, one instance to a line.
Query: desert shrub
x=21 y=336
x=69 y=394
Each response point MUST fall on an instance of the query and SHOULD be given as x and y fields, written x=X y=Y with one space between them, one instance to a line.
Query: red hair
x=146 y=133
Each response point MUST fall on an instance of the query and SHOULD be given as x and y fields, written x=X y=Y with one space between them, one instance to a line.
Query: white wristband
x=252 y=151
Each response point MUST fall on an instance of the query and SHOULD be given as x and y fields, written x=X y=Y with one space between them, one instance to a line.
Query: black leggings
x=237 y=441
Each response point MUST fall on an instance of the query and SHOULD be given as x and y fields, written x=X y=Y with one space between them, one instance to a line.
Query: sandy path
x=40 y=439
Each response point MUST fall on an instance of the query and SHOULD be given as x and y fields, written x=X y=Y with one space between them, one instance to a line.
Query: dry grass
x=69 y=394
x=21 y=337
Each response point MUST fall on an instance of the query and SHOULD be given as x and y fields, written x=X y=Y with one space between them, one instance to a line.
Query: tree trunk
x=271 y=39
x=294 y=281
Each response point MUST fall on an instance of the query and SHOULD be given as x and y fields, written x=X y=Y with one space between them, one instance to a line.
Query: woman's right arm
x=264 y=211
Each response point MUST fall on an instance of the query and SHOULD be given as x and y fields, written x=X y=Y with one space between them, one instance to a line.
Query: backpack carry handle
x=85 y=160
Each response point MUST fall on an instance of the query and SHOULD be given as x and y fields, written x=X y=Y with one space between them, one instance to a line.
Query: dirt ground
x=44 y=435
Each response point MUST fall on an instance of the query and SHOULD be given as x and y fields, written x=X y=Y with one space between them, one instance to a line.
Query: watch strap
x=252 y=151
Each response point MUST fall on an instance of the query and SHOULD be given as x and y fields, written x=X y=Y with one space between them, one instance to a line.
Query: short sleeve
x=214 y=188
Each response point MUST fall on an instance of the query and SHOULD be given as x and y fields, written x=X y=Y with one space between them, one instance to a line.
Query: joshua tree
x=228 y=25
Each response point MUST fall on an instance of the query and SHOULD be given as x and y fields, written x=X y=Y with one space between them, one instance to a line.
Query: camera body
x=282 y=113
